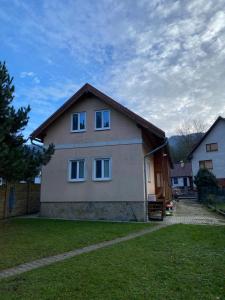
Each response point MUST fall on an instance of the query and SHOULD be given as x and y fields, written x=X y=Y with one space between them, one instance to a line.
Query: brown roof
x=205 y=135
x=179 y=171
x=40 y=132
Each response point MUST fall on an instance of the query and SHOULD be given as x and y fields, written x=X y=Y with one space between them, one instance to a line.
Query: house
x=209 y=152
x=181 y=175
x=102 y=168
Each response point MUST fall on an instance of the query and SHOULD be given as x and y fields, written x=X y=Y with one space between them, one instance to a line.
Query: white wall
x=217 y=135
x=180 y=182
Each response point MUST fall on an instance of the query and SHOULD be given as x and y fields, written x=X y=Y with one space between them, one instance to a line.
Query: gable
x=87 y=89
x=121 y=127
x=215 y=134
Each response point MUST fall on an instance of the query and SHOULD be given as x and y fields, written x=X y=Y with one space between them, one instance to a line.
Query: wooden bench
x=156 y=210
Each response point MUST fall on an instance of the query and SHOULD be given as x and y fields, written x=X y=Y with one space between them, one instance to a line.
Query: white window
x=102 y=169
x=77 y=170
x=78 y=122
x=102 y=120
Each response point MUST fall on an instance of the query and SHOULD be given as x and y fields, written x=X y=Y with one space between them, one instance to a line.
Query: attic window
x=78 y=122
x=211 y=147
x=102 y=120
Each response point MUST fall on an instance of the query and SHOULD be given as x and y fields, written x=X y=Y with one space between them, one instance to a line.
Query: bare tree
x=189 y=132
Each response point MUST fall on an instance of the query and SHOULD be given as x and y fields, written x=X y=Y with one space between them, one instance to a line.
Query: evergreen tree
x=17 y=160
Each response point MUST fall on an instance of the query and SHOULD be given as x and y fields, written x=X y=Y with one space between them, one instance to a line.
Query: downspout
x=145 y=174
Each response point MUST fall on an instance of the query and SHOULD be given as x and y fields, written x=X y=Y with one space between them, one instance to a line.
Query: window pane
x=106 y=168
x=214 y=147
x=73 y=169
x=208 y=164
x=106 y=119
x=98 y=170
x=201 y=164
x=75 y=122
x=82 y=120
x=98 y=119
x=81 y=169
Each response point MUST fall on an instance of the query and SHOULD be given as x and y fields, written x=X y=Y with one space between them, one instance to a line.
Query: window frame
x=102 y=121
x=70 y=169
x=209 y=145
x=85 y=123
x=102 y=169
x=204 y=161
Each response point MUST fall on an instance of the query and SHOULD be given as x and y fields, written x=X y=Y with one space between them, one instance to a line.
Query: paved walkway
x=60 y=257
x=189 y=211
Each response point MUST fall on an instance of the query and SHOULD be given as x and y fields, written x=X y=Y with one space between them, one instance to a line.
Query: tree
x=205 y=178
x=207 y=185
x=17 y=160
x=189 y=133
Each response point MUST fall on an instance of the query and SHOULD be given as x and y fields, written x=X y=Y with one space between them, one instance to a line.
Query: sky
x=163 y=59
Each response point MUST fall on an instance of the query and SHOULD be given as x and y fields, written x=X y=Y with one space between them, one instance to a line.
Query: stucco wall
x=217 y=135
x=127 y=182
x=121 y=126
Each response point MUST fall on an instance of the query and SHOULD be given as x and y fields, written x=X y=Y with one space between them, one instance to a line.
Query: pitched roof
x=205 y=135
x=40 y=132
x=179 y=171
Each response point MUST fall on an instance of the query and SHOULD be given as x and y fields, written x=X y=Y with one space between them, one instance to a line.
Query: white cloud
x=164 y=59
x=27 y=74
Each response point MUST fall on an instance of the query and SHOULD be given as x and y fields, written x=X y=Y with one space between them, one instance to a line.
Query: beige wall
x=121 y=126
x=127 y=182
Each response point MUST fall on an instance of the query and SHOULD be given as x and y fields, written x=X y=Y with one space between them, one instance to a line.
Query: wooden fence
x=19 y=199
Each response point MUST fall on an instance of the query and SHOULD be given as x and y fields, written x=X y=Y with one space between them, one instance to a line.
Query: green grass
x=220 y=206
x=177 y=262
x=23 y=240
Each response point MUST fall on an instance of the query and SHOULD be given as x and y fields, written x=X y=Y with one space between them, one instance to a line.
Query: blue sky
x=163 y=59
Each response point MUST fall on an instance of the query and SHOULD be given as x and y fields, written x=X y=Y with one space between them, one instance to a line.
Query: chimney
x=181 y=163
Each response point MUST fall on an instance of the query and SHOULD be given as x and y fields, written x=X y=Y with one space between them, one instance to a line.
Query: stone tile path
x=189 y=211
x=60 y=257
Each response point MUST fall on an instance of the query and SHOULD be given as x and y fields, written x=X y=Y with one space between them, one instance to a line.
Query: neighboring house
x=99 y=169
x=210 y=151
x=181 y=175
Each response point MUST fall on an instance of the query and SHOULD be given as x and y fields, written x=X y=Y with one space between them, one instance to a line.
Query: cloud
x=35 y=78
x=164 y=59
x=27 y=74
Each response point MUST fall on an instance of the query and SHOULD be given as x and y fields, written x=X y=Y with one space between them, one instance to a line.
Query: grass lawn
x=23 y=240
x=177 y=262
x=221 y=206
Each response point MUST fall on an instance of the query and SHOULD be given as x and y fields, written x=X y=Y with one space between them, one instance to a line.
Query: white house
x=181 y=175
x=210 y=151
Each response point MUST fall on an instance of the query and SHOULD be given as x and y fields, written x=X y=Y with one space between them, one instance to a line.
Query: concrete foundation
x=114 y=211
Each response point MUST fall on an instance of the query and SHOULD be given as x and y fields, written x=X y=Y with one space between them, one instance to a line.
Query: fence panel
x=19 y=199
x=213 y=197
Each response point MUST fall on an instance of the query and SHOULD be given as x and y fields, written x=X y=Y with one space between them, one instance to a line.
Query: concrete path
x=189 y=211
x=60 y=257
